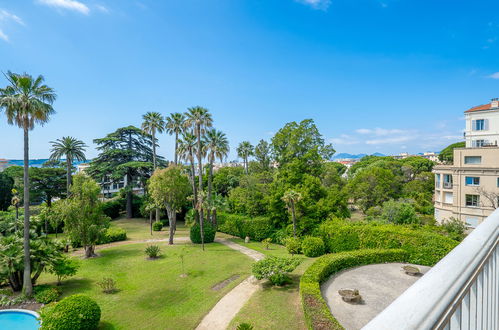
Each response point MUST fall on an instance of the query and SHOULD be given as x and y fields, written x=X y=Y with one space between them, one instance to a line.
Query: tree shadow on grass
x=293 y=284
x=104 y=325
x=76 y=285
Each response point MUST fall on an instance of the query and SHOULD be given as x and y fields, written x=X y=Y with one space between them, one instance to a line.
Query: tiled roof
x=480 y=107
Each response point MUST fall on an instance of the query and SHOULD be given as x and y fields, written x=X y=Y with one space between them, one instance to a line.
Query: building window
x=498 y=182
x=472 y=159
x=447 y=181
x=479 y=125
x=478 y=143
x=437 y=180
x=472 y=200
x=472 y=181
x=448 y=198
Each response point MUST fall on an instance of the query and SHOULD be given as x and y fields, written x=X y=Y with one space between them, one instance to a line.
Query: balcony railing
x=459 y=292
x=447 y=185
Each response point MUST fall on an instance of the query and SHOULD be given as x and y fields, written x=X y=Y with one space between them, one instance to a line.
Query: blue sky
x=376 y=75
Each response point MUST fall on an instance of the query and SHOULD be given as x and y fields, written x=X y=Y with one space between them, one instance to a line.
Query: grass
x=139 y=229
x=274 y=307
x=152 y=294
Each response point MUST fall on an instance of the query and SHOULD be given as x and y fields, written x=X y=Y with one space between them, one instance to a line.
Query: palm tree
x=153 y=123
x=245 y=150
x=198 y=118
x=72 y=149
x=27 y=101
x=291 y=197
x=186 y=150
x=216 y=146
x=175 y=125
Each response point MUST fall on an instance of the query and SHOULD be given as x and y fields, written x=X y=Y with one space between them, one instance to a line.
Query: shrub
x=76 y=312
x=45 y=294
x=114 y=234
x=153 y=251
x=112 y=208
x=293 y=245
x=454 y=228
x=64 y=267
x=313 y=247
x=108 y=285
x=266 y=243
x=257 y=228
x=424 y=247
x=317 y=313
x=244 y=326
x=275 y=269
x=209 y=233
x=157 y=226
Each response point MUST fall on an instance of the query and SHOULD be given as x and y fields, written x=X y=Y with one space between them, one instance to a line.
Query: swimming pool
x=19 y=319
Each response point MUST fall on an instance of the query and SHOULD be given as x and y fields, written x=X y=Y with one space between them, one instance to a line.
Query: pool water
x=18 y=320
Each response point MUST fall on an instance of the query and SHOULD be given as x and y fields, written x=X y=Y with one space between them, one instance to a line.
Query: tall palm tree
x=186 y=150
x=72 y=149
x=216 y=146
x=245 y=150
x=175 y=124
x=291 y=197
x=199 y=118
x=153 y=123
x=27 y=101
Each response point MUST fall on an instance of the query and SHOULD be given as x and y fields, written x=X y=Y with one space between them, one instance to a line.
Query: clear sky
x=376 y=75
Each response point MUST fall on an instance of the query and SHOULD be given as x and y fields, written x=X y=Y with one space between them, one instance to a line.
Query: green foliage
x=107 y=285
x=454 y=228
x=424 y=247
x=262 y=155
x=76 y=312
x=249 y=197
x=293 y=245
x=244 y=326
x=114 y=234
x=257 y=228
x=317 y=313
x=447 y=154
x=266 y=243
x=45 y=294
x=112 y=208
x=399 y=212
x=64 y=268
x=275 y=269
x=157 y=226
x=153 y=251
x=6 y=186
x=209 y=233
x=313 y=247
x=226 y=179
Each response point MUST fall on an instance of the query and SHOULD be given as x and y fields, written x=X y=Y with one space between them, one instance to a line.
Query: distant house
x=4 y=163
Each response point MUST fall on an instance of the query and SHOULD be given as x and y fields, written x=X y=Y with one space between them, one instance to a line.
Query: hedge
x=257 y=228
x=114 y=234
x=112 y=208
x=76 y=312
x=317 y=314
x=208 y=230
x=424 y=247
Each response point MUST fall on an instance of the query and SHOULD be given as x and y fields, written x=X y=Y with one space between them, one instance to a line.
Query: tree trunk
x=210 y=180
x=214 y=217
x=68 y=176
x=194 y=187
x=153 y=150
x=200 y=167
x=294 y=218
x=37 y=275
x=172 y=217
x=129 y=211
x=150 y=221
x=27 y=286
x=89 y=251
x=246 y=165
x=176 y=148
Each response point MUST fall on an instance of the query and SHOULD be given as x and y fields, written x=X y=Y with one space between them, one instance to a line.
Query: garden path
x=227 y=308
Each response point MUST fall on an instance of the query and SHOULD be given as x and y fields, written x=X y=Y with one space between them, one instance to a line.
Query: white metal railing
x=459 y=292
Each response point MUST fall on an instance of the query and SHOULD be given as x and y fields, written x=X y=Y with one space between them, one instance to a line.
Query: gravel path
x=227 y=308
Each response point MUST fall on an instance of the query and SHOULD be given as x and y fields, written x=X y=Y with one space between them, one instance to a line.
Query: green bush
x=257 y=228
x=313 y=247
x=244 y=326
x=424 y=247
x=114 y=234
x=153 y=251
x=293 y=245
x=157 y=226
x=76 y=312
x=317 y=313
x=45 y=294
x=112 y=208
x=209 y=233
x=275 y=269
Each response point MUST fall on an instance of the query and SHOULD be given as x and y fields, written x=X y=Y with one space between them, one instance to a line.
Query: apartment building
x=468 y=189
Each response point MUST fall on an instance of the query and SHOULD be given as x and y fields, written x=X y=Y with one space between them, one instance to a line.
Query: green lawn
x=139 y=229
x=152 y=295
x=274 y=307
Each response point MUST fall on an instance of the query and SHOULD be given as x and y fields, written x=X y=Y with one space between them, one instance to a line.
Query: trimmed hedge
x=313 y=247
x=209 y=233
x=257 y=228
x=76 y=312
x=45 y=294
x=114 y=234
x=424 y=247
x=112 y=208
x=317 y=314
x=157 y=226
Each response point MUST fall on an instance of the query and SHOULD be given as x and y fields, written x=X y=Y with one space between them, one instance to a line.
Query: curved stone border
x=220 y=316
x=317 y=313
x=26 y=311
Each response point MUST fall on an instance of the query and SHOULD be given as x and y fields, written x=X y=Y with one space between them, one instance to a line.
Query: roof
x=480 y=108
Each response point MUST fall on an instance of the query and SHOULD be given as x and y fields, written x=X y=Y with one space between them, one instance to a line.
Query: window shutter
x=473 y=125
x=486 y=124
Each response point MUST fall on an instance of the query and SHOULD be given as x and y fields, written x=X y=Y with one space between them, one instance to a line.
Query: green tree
x=199 y=118
x=70 y=148
x=170 y=187
x=6 y=186
x=84 y=219
x=215 y=146
x=186 y=150
x=27 y=101
x=262 y=155
x=447 y=154
x=245 y=150
x=226 y=179
x=175 y=125
x=153 y=123
x=292 y=197
x=399 y=212
x=127 y=152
